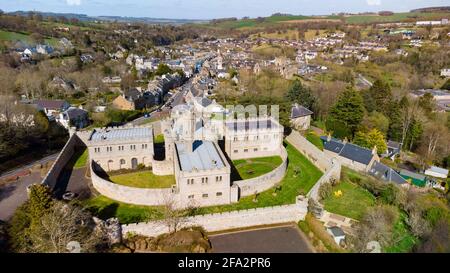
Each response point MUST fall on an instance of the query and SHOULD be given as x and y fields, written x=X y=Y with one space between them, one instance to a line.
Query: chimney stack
x=329 y=137
x=374 y=150
x=345 y=140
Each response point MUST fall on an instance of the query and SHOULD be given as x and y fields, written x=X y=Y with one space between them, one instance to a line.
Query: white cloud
x=373 y=2
x=73 y=2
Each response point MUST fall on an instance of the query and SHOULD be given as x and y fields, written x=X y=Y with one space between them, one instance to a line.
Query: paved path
x=14 y=194
x=286 y=239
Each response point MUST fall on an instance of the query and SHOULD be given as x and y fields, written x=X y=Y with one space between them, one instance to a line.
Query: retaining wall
x=64 y=156
x=264 y=182
x=228 y=220
x=330 y=166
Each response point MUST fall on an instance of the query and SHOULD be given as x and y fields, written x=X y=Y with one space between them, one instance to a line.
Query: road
x=14 y=194
x=29 y=166
x=285 y=239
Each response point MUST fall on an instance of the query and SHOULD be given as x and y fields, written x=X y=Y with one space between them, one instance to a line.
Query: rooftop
x=121 y=134
x=300 y=111
x=204 y=156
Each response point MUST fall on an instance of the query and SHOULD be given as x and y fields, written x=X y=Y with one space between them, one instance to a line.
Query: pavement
x=14 y=194
x=284 y=239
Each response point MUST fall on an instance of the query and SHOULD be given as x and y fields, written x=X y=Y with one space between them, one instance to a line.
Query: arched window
x=122 y=161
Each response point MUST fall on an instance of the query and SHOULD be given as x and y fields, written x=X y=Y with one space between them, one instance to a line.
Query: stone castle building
x=198 y=149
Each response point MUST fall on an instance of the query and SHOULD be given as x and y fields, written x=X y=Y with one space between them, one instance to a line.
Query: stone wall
x=64 y=156
x=229 y=220
x=264 y=182
x=330 y=166
x=137 y=196
x=164 y=167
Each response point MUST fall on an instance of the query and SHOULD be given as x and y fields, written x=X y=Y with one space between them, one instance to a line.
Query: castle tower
x=189 y=130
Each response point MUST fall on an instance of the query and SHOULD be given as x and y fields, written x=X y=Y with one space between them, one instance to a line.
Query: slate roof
x=336 y=231
x=300 y=111
x=132 y=94
x=383 y=172
x=393 y=144
x=348 y=150
x=121 y=134
x=75 y=113
x=50 y=104
x=204 y=156
x=356 y=153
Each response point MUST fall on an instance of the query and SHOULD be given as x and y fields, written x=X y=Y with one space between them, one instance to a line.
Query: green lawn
x=312 y=137
x=105 y=208
x=254 y=167
x=143 y=179
x=159 y=139
x=82 y=159
x=79 y=159
x=353 y=202
x=291 y=186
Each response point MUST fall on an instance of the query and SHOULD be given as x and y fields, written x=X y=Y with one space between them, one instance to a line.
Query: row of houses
x=368 y=161
x=137 y=99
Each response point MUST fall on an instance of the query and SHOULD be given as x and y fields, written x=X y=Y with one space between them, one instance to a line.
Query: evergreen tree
x=300 y=94
x=347 y=114
x=414 y=133
x=395 y=122
x=378 y=97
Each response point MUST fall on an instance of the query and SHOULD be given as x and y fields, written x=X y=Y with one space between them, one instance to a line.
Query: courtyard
x=143 y=179
x=254 y=167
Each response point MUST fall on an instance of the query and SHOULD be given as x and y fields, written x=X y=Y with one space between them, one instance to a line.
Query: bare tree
x=63 y=224
x=174 y=217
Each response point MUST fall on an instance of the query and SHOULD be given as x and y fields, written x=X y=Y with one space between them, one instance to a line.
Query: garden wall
x=130 y=195
x=64 y=156
x=264 y=182
x=228 y=220
x=330 y=166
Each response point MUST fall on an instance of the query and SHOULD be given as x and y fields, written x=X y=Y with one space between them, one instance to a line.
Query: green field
x=361 y=19
x=353 y=202
x=23 y=37
x=254 y=167
x=144 y=179
x=290 y=187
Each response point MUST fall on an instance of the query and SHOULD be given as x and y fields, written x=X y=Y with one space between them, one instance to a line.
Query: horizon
x=213 y=9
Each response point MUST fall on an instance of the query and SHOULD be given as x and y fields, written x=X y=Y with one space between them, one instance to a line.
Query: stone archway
x=110 y=164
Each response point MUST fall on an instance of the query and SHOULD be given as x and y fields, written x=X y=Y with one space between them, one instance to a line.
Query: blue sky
x=208 y=9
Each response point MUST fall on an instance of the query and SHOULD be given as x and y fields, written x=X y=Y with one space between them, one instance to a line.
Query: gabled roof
x=300 y=111
x=383 y=172
x=75 y=112
x=50 y=104
x=348 y=150
x=356 y=153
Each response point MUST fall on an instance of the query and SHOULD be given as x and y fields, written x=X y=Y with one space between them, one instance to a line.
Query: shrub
x=325 y=191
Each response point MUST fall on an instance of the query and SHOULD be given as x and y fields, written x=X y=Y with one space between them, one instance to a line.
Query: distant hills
x=86 y=18
x=433 y=9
